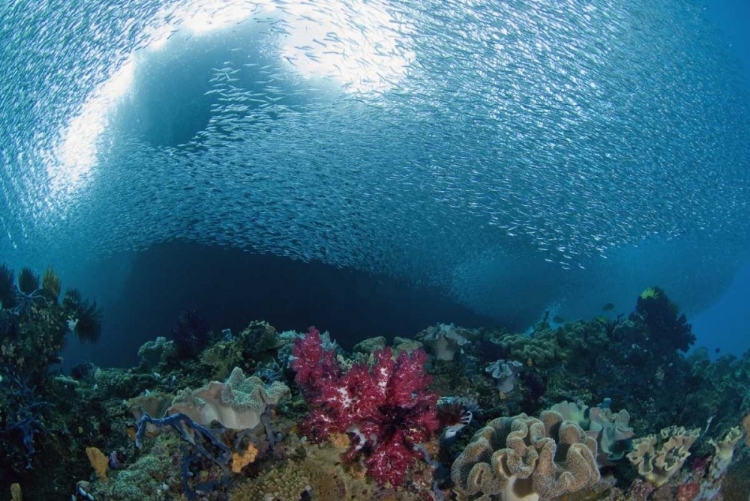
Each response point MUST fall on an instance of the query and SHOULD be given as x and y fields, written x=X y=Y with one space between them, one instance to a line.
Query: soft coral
x=384 y=407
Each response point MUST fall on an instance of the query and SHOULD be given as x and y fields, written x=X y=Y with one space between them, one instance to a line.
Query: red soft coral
x=384 y=407
x=312 y=362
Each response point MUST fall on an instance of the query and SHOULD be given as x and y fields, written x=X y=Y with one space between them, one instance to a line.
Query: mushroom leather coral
x=514 y=458
x=384 y=407
x=237 y=404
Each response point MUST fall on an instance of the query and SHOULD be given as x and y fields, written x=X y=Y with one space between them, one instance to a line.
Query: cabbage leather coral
x=384 y=407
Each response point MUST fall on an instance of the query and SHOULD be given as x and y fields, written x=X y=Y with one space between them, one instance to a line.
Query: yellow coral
x=15 y=492
x=51 y=283
x=99 y=461
x=657 y=464
x=239 y=461
x=725 y=448
x=650 y=293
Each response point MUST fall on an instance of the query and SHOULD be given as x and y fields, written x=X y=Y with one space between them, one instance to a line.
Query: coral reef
x=377 y=424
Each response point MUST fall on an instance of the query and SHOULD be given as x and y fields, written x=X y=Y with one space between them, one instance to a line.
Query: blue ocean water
x=512 y=157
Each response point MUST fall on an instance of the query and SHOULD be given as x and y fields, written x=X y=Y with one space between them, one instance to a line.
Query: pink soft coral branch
x=384 y=407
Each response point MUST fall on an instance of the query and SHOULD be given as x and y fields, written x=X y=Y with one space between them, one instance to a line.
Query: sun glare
x=348 y=43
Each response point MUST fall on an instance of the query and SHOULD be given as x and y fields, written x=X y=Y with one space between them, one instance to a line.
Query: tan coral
x=445 y=340
x=723 y=454
x=99 y=461
x=725 y=448
x=339 y=440
x=658 y=460
x=516 y=458
x=609 y=429
x=237 y=404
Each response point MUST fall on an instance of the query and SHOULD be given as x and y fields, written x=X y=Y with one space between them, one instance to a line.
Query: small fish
x=608 y=307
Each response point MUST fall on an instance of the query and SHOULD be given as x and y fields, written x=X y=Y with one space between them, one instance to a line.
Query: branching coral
x=384 y=407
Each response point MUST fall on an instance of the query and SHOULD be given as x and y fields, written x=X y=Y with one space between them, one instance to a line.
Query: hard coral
x=384 y=407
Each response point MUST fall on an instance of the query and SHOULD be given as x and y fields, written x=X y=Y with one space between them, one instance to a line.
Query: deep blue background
x=726 y=324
